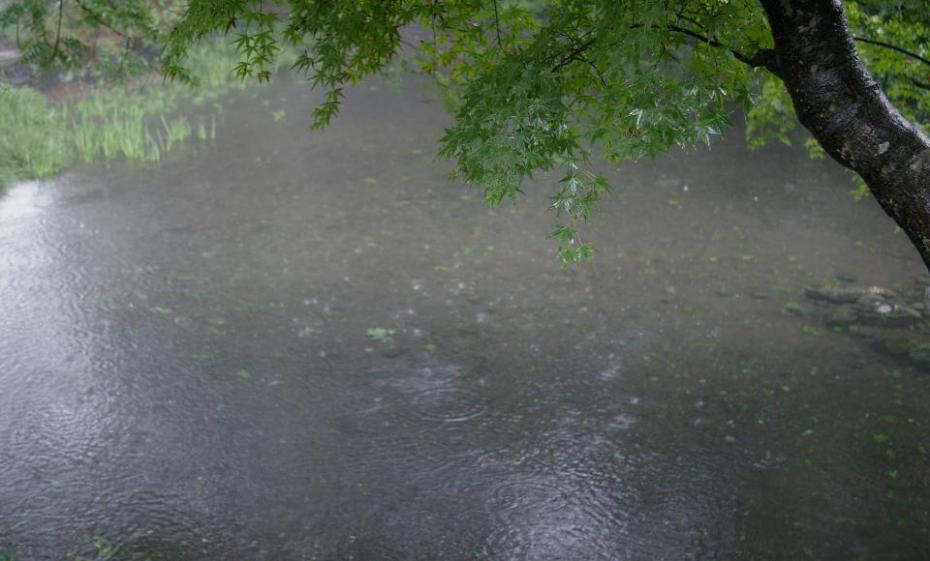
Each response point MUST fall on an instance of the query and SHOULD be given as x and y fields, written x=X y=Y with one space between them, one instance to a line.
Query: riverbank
x=44 y=132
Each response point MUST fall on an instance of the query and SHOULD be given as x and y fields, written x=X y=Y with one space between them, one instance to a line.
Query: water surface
x=185 y=360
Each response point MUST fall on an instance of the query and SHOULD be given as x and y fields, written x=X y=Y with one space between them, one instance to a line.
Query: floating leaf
x=881 y=438
x=380 y=334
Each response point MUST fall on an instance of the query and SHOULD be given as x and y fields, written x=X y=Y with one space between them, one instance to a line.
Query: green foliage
x=616 y=78
x=772 y=116
x=70 y=34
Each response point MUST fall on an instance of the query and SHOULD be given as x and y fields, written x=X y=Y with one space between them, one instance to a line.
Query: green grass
x=32 y=142
x=141 y=123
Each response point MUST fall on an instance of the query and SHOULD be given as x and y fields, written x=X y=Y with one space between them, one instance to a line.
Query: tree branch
x=61 y=10
x=97 y=18
x=895 y=48
x=597 y=70
x=497 y=24
x=843 y=106
x=573 y=54
x=763 y=57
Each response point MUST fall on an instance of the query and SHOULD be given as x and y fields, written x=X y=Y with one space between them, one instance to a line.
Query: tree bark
x=839 y=101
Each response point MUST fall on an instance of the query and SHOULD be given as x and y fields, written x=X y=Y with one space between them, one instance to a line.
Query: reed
x=140 y=123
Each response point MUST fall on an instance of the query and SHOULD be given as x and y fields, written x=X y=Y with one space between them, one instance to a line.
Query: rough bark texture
x=839 y=101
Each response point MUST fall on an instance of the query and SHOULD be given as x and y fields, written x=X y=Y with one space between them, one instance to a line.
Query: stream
x=287 y=345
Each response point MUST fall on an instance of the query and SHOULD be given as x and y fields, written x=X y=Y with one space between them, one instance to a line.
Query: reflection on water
x=185 y=359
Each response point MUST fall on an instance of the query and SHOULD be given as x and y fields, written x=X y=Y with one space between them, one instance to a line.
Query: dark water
x=185 y=361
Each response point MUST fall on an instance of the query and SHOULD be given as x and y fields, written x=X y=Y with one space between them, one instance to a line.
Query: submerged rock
x=886 y=314
x=894 y=343
x=900 y=343
x=870 y=305
x=845 y=294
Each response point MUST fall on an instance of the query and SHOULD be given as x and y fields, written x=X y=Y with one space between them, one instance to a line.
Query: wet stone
x=891 y=323
x=844 y=294
x=885 y=314
x=899 y=343
x=895 y=343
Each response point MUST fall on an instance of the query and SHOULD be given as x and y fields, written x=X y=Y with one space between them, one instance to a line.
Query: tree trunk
x=839 y=101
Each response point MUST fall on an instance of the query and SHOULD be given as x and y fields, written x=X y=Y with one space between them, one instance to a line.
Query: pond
x=295 y=345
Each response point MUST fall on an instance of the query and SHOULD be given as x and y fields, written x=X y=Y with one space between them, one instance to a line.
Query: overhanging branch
x=764 y=58
x=893 y=47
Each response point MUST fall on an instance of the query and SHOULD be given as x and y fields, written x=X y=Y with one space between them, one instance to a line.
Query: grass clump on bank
x=32 y=139
x=141 y=122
